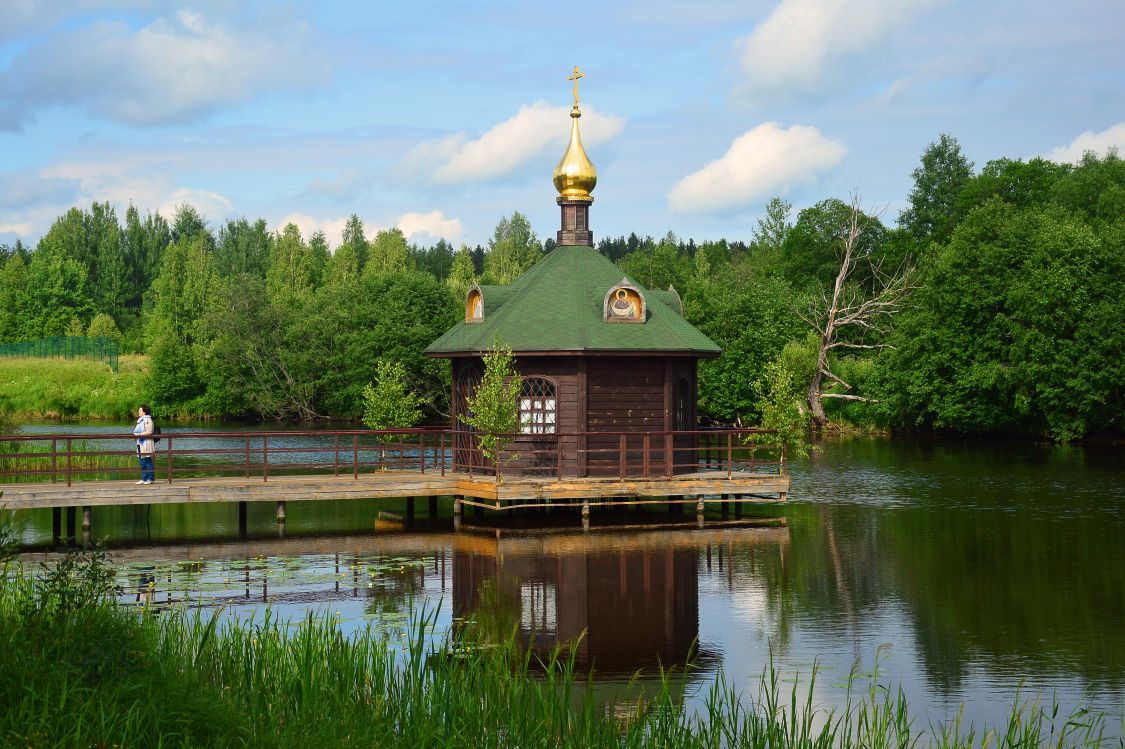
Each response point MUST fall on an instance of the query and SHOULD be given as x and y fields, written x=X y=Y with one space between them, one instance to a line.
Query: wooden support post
x=457 y=509
x=737 y=508
x=56 y=525
x=585 y=509
x=71 y=517
x=281 y=512
x=433 y=507
x=724 y=508
x=86 y=518
x=409 y=509
x=242 y=519
x=700 y=507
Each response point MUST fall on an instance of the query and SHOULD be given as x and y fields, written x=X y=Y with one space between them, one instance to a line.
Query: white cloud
x=794 y=48
x=764 y=160
x=434 y=224
x=508 y=145
x=19 y=229
x=171 y=70
x=1111 y=137
x=31 y=201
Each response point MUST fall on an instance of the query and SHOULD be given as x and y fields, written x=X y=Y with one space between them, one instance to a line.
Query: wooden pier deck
x=511 y=493
x=57 y=471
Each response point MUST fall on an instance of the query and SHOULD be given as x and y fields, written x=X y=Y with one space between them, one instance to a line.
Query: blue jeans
x=147 y=471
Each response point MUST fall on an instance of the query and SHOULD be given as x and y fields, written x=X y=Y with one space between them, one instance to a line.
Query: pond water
x=973 y=569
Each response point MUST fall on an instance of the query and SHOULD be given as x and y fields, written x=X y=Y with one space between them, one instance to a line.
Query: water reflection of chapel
x=600 y=355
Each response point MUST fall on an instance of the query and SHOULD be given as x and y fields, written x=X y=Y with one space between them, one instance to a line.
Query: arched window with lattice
x=538 y=406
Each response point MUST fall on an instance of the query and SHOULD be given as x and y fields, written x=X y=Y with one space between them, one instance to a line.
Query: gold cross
x=574 y=77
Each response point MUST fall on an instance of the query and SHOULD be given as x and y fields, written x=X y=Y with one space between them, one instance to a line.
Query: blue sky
x=442 y=117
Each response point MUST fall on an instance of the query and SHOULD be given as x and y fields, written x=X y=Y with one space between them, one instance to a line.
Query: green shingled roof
x=557 y=307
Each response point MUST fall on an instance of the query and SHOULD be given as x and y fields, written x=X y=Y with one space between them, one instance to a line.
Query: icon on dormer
x=624 y=303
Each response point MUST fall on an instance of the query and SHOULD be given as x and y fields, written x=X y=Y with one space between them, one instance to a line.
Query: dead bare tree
x=853 y=317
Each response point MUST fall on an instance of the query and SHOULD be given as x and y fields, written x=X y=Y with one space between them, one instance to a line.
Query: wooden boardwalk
x=511 y=493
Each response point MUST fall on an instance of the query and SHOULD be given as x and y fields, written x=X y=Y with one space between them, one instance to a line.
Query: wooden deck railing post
x=401 y=452
x=265 y=457
x=68 y=463
x=645 y=455
x=669 y=464
x=784 y=458
x=422 y=451
x=54 y=461
x=443 y=453
x=246 y=456
x=355 y=457
x=336 y=458
x=621 y=455
x=168 y=459
x=730 y=456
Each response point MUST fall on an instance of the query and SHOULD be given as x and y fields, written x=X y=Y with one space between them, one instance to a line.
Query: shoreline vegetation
x=79 y=669
x=72 y=389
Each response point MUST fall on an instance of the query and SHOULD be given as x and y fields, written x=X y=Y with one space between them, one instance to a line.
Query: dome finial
x=574 y=77
x=575 y=176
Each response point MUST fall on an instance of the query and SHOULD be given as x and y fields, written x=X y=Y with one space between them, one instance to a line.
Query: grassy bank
x=78 y=670
x=71 y=388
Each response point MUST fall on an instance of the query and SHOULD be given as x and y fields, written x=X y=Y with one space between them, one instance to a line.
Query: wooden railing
x=71 y=458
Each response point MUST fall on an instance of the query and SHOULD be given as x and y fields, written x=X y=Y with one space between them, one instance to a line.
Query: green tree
x=935 y=204
x=773 y=228
x=354 y=243
x=810 y=252
x=388 y=401
x=103 y=326
x=14 y=299
x=781 y=404
x=389 y=253
x=1017 y=328
x=180 y=296
x=243 y=248
x=658 y=265
x=57 y=293
x=380 y=316
x=748 y=315
x=463 y=273
x=493 y=408
x=512 y=250
x=292 y=267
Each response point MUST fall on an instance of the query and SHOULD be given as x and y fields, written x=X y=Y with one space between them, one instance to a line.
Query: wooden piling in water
x=433 y=507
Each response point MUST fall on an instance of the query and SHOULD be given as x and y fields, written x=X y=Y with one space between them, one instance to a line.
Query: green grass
x=71 y=388
x=77 y=670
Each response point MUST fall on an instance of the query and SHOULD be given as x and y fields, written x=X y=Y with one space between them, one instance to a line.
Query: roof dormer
x=474 y=304
x=624 y=303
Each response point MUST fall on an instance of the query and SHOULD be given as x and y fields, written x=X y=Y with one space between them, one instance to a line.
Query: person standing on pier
x=145 y=445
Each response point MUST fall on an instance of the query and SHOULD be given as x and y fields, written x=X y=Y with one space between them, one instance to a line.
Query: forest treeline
x=1013 y=322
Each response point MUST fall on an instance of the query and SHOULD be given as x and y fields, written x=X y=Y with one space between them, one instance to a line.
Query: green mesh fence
x=64 y=347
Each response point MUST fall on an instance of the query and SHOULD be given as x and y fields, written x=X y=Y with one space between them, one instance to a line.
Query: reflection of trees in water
x=1026 y=591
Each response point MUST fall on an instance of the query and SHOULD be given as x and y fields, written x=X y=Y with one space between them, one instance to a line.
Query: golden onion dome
x=575 y=175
